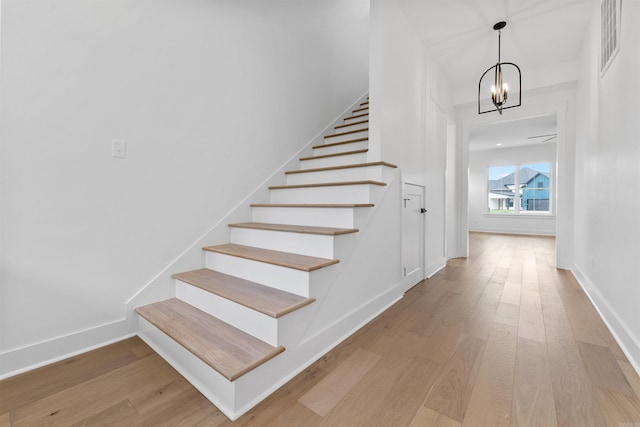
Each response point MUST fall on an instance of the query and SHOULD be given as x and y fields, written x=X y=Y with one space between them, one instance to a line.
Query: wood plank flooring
x=500 y=338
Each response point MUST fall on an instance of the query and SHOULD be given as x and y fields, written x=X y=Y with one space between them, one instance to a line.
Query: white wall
x=396 y=82
x=608 y=181
x=211 y=98
x=479 y=219
x=453 y=184
x=409 y=114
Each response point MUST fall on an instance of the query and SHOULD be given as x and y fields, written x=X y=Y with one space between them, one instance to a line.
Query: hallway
x=501 y=338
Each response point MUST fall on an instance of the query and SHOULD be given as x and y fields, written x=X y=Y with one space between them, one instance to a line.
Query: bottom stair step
x=228 y=350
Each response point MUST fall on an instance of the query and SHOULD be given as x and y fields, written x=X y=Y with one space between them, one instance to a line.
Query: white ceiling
x=459 y=35
x=513 y=133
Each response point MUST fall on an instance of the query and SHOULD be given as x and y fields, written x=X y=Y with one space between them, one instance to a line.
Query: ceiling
x=513 y=133
x=459 y=33
x=460 y=37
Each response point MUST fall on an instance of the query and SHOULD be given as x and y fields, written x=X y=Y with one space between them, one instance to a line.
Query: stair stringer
x=364 y=284
x=162 y=286
x=348 y=295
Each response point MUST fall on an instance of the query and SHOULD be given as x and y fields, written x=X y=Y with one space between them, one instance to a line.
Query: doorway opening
x=512 y=180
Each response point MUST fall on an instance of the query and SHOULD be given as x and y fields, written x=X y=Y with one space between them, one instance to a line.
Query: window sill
x=520 y=215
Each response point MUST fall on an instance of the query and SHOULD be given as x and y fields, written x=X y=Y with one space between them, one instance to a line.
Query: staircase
x=243 y=325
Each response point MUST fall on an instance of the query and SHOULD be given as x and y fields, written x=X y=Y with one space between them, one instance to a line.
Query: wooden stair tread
x=330 y=168
x=264 y=299
x=282 y=259
x=327 y=184
x=303 y=229
x=335 y=135
x=360 y=109
x=312 y=205
x=346 y=153
x=333 y=144
x=356 y=116
x=351 y=124
x=228 y=350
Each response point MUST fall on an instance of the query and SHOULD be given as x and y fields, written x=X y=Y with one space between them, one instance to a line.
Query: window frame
x=517 y=200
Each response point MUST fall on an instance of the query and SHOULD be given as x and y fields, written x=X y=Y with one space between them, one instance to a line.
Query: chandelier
x=499 y=89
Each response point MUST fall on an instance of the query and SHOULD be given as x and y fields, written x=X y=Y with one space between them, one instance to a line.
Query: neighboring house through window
x=524 y=188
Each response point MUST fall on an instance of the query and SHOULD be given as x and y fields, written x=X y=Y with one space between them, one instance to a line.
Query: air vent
x=609 y=32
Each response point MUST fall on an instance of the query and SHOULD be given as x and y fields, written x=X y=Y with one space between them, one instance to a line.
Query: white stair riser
x=299 y=243
x=360 y=110
x=347 y=159
x=359 y=124
x=368 y=173
x=346 y=137
x=283 y=278
x=356 y=118
x=321 y=217
x=338 y=194
x=250 y=321
x=334 y=149
x=216 y=388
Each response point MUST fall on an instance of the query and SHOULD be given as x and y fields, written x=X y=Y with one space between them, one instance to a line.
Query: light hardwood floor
x=499 y=339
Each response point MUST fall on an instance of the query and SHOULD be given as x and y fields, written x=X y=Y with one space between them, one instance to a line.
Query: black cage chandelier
x=499 y=88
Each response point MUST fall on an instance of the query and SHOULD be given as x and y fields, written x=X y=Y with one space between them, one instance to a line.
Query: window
x=519 y=189
x=501 y=196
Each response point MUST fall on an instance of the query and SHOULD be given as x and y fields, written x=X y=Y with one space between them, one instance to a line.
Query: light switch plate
x=118 y=149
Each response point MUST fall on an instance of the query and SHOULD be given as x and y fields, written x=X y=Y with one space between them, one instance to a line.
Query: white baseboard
x=432 y=269
x=511 y=231
x=622 y=333
x=19 y=360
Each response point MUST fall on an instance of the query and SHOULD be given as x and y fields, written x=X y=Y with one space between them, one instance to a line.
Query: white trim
x=435 y=268
x=148 y=294
x=520 y=215
x=23 y=359
x=622 y=333
x=514 y=231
